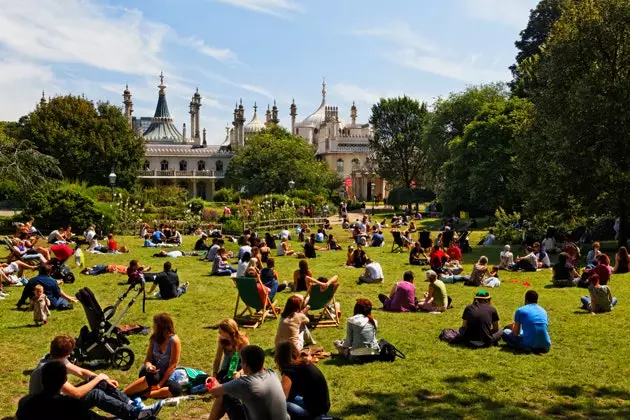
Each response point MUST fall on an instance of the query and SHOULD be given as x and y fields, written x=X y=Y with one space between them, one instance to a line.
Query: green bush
x=232 y=226
x=196 y=205
x=504 y=228
x=224 y=195
x=168 y=195
x=9 y=190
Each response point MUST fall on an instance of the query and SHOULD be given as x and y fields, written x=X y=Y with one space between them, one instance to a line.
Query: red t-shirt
x=454 y=253
x=437 y=257
x=62 y=252
x=112 y=245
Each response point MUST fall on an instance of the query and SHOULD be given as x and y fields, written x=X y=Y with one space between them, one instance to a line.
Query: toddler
x=39 y=305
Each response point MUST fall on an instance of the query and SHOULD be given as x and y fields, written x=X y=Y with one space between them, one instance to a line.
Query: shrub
x=168 y=195
x=232 y=226
x=223 y=195
x=505 y=227
x=196 y=205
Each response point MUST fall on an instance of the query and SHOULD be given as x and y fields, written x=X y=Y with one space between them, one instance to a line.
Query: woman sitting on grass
x=299 y=277
x=304 y=385
x=332 y=244
x=285 y=248
x=507 y=258
x=293 y=324
x=602 y=269
x=360 y=332
x=600 y=299
x=161 y=361
x=258 y=256
x=564 y=274
x=479 y=273
x=402 y=297
x=252 y=269
x=622 y=261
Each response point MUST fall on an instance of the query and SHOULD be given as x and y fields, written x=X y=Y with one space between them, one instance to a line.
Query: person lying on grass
x=96 y=391
x=176 y=254
x=360 y=332
x=99 y=269
x=148 y=243
x=600 y=299
x=162 y=358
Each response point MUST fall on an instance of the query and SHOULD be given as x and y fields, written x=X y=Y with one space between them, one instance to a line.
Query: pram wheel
x=108 y=312
x=123 y=358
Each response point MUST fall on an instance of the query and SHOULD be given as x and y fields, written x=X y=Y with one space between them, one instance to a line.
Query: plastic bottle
x=78 y=258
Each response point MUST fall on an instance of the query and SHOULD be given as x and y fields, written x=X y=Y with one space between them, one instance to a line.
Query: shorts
x=154 y=379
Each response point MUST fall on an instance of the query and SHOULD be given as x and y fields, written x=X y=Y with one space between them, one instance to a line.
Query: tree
x=533 y=37
x=397 y=143
x=581 y=93
x=272 y=158
x=447 y=122
x=87 y=140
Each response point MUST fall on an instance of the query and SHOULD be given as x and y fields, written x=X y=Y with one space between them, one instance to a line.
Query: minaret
x=234 y=139
x=192 y=120
x=241 y=123
x=293 y=115
x=197 y=97
x=42 y=101
x=204 y=144
x=128 y=104
x=353 y=114
x=268 y=116
x=274 y=114
x=184 y=132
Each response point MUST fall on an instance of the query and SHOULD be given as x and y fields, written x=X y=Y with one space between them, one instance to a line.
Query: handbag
x=389 y=352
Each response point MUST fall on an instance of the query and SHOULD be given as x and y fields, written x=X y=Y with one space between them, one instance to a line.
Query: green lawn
x=586 y=374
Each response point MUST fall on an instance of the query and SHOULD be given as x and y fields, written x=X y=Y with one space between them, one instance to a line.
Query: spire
x=274 y=113
x=161 y=85
x=353 y=113
x=324 y=91
x=255 y=108
x=162 y=128
x=43 y=100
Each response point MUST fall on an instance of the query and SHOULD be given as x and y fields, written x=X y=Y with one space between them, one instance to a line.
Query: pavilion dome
x=255 y=125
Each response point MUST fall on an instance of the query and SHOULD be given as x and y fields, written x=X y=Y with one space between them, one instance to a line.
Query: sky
x=255 y=50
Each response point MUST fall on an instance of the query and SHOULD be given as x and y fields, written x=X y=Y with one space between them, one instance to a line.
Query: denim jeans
x=111 y=401
x=224 y=272
x=59 y=303
x=273 y=288
x=97 y=269
x=296 y=411
x=516 y=341
x=453 y=279
x=586 y=302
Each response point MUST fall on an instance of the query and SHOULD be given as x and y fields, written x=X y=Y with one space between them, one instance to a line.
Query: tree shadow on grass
x=577 y=401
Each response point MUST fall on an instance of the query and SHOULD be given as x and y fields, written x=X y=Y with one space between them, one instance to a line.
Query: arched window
x=164 y=165
x=183 y=165
x=356 y=165
x=219 y=165
x=147 y=165
x=340 y=166
x=201 y=165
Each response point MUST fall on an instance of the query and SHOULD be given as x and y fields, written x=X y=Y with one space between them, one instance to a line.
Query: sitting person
x=214 y=248
x=13 y=272
x=378 y=239
x=284 y=248
x=242 y=265
x=57 y=236
x=435 y=299
x=292 y=326
x=564 y=274
x=162 y=358
x=309 y=247
x=245 y=247
x=572 y=250
x=168 y=282
x=359 y=257
x=527 y=263
x=542 y=257
x=480 y=271
x=453 y=267
x=493 y=278
x=489 y=239
x=59 y=300
x=454 y=252
x=319 y=236
x=602 y=269
x=201 y=245
x=417 y=255
x=550 y=246
x=600 y=299
x=259 y=391
x=252 y=269
x=176 y=238
x=591 y=256
x=349 y=261
x=437 y=257
x=135 y=272
x=622 y=261
x=402 y=297
x=333 y=245
x=360 y=332
x=220 y=266
x=480 y=325
x=412 y=227
x=176 y=254
x=264 y=252
x=112 y=245
x=373 y=273
x=158 y=236
x=529 y=331
x=150 y=244
x=507 y=258
x=269 y=278
x=299 y=277
x=304 y=385
x=96 y=391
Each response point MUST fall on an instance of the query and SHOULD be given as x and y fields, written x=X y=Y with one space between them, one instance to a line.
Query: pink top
x=403 y=299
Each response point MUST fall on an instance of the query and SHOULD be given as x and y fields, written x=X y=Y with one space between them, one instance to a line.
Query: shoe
x=151 y=410
x=185 y=286
x=3 y=294
x=2 y=298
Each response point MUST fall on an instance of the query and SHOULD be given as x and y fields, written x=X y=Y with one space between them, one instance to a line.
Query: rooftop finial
x=255 y=107
x=161 y=77
x=324 y=89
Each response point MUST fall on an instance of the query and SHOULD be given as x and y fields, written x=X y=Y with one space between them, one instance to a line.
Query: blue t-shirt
x=51 y=288
x=157 y=236
x=377 y=239
x=534 y=323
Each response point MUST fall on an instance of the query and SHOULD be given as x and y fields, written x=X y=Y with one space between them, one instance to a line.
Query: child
x=349 y=261
x=493 y=278
x=112 y=246
x=39 y=305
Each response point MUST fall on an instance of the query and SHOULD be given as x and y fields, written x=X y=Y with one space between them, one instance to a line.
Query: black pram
x=462 y=241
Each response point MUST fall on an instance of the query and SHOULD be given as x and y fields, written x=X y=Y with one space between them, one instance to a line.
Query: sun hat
x=482 y=294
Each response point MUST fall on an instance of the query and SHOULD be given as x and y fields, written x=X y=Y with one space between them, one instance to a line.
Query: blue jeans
x=296 y=411
x=586 y=302
x=453 y=279
x=273 y=288
x=516 y=341
x=59 y=303
x=224 y=271
x=96 y=270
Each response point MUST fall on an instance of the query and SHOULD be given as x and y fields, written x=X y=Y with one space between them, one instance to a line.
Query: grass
x=586 y=374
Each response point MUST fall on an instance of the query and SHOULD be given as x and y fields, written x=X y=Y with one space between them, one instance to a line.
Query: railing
x=181 y=174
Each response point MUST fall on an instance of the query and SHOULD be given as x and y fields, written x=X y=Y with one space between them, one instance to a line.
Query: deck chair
x=322 y=301
x=424 y=238
x=257 y=303
x=398 y=243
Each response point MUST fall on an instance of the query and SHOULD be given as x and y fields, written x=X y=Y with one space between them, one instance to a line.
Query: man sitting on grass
x=373 y=272
x=402 y=297
x=96 y=391
x=168 y=282
x=417 y=255
x=529 y=331
x=480 y=325
x=58 y=299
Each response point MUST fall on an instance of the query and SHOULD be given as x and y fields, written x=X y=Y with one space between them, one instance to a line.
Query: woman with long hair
x=622 y=261
x=292 y=325
x=360 y=331
x=162 y=358
x=304 y=385
x=300 y=283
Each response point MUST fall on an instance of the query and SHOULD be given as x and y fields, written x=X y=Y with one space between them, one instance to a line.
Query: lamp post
x=112 y=181
x=291 y=185
x=373 y=195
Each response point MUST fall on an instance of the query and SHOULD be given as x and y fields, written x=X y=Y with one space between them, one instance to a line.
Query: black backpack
x=389 y=352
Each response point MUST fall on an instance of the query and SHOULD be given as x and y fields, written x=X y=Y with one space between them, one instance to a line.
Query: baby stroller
x=60 y=271
x=101 y=340
x=463 y=242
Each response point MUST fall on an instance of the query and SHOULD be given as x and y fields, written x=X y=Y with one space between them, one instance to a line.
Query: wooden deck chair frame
x=255 y=317
x=397 y=243
x=325 y=318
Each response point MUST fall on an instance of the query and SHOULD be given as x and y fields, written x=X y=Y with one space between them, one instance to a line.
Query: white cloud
x=220 y=54
x=399 y=33
x=21 y=86
x=513 y=13
x=279 y=8
x=244 y=86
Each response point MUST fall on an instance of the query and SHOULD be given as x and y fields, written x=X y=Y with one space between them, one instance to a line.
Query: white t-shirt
x=507 y=259
x=241 y=268
x=489 y=239
x=89 y=235
x=174 y=254
x=375 y=270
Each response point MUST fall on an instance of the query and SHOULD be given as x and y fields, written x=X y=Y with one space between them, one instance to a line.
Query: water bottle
x=78 y=258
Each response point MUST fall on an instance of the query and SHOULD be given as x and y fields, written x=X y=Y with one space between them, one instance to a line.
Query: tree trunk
x=623 y=224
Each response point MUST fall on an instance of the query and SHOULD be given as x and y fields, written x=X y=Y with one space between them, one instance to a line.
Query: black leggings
x=154 y=378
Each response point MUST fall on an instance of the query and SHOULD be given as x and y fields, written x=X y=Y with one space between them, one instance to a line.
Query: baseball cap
x=482 y=294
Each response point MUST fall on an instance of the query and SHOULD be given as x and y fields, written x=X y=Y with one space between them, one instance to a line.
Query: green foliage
x=9 y=190
x=397 y=143
x=403 y=196
x=232 y=226
x=87 y=140
x=166 y=195
x=128 y=214
x=504 y=228
x=196 y=205
x=273 y=157
x=54 y=208
x=224 y=195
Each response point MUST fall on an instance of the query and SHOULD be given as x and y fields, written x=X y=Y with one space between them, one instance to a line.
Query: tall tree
x=272 y=158
x=87 y=140
x=447 y=122
x=581 y=94
x=532 y=39
x=397 y=143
